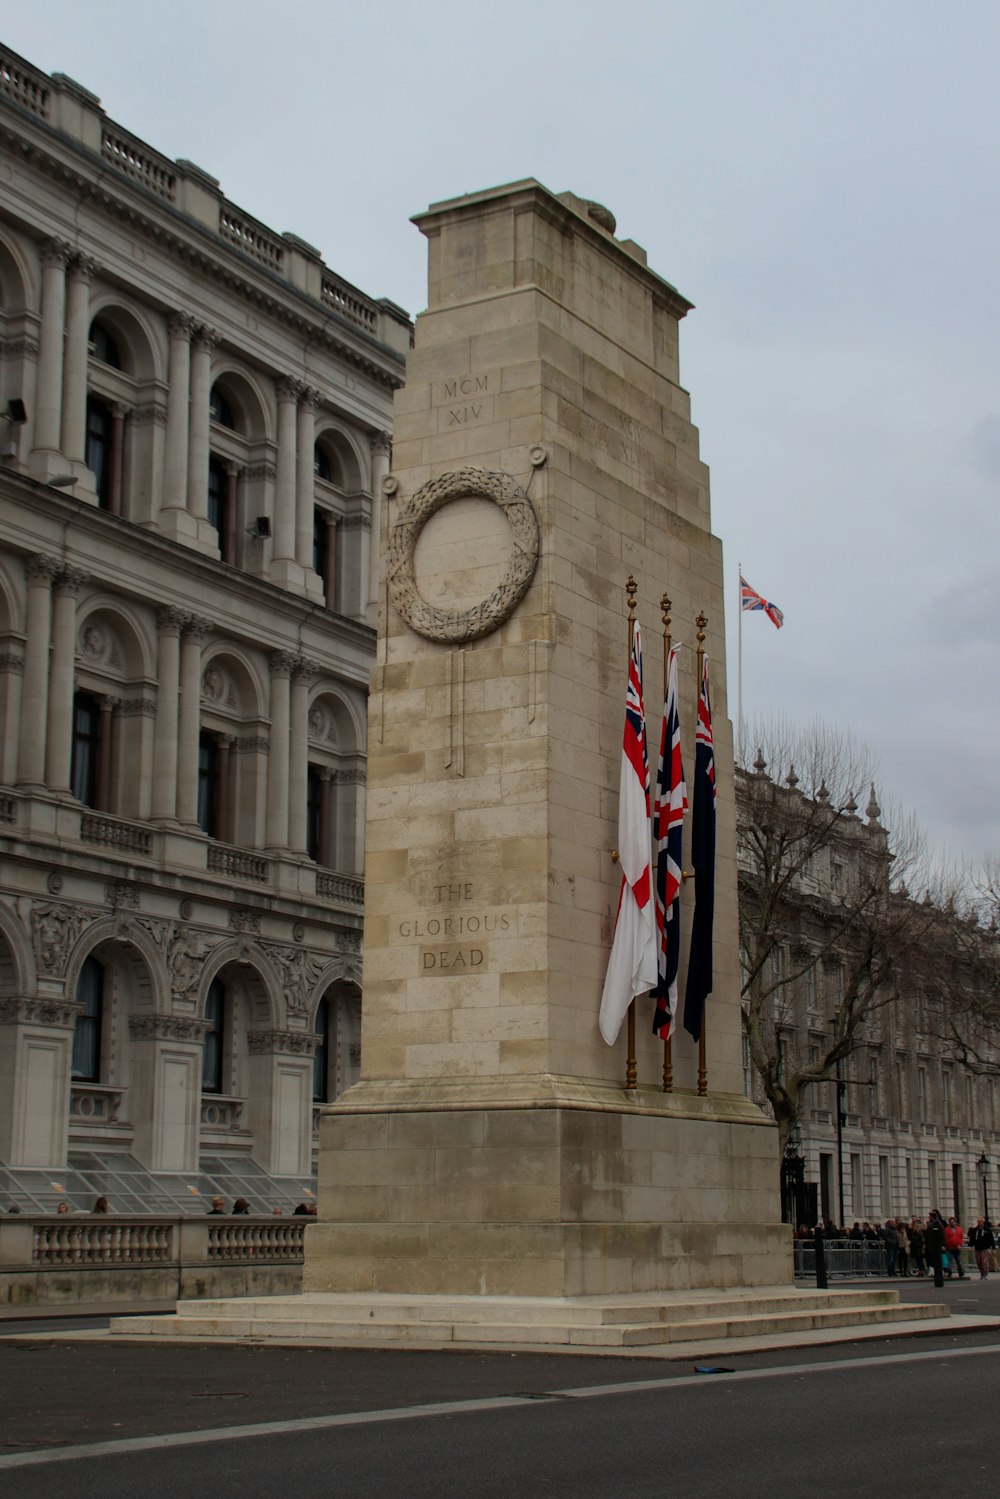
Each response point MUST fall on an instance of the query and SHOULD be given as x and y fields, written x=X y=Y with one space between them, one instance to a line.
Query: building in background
x=918 y=1127
x=194 y=431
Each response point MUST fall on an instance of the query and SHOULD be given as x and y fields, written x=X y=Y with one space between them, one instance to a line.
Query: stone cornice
x=175 y=233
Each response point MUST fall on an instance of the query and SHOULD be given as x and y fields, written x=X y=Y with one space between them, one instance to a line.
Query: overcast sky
x=819 y=178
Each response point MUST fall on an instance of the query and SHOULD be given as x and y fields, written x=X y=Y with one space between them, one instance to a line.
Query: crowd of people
x=926 y=1247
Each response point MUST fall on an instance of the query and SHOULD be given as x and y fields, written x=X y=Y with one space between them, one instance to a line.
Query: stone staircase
x=587 y=1323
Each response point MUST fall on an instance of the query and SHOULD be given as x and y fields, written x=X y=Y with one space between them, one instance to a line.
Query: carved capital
x=181 y=326
x=304 y=671
x=152 y=415
x=83 y=268
x=260 y=471
x=10 y=661
x=204 y=338
x=196 y=628
x=40 y=570
x=282 y=663
x=171 y=621
x=287 y=389
x=56 y=252
x=166 y=1028
x=381 y=444
x=56 y=1013
x=70 y=580
x=284 y=1043
x=309 y=397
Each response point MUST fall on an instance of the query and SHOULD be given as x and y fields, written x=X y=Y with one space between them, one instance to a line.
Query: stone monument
x=543 y=452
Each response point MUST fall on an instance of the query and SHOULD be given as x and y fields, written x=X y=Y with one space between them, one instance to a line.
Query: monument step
x=425 y=1321
x=375 y=1308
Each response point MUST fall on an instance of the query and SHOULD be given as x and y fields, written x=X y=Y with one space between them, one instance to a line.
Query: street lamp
x=984 y=1175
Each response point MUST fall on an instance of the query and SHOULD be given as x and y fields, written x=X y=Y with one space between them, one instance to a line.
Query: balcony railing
x=340 y=887
x=114 y=832
x=24 y=85
x=94 y=1103
x=237 y=864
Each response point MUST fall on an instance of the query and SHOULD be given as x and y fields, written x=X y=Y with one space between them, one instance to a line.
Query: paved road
x=255 y=1421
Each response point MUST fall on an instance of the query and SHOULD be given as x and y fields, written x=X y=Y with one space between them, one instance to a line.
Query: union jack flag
x=699 y=975
x=632 y=963
x=668 y=839
x=751 y=599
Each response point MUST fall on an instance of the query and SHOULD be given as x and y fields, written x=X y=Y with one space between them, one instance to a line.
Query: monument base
x=580 y=1190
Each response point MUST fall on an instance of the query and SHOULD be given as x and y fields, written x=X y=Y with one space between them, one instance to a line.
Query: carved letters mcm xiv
x=463 y=624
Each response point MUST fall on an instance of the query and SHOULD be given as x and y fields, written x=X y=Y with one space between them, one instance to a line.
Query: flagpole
x=668 y=1052
x=739 y=669
x=630 y=1065
x=701 y=622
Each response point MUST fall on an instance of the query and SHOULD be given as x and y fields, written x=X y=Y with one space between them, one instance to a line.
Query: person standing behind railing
x=890 y=1238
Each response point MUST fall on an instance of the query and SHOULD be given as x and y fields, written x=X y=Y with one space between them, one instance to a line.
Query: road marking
x=42 y=1455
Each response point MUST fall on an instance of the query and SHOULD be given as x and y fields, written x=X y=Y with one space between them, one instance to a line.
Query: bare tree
x=824 y=893
x=961 y=1009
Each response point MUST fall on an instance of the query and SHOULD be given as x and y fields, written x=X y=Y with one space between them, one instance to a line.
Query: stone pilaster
x=202 y=345
x=169 y=623
x=39 y=572
x=298 y=768
x=46 y=457
x=195 y=633
x=284 y=497
x=381 y=455
x=58 y=751
x=172 y=518
x=305 y=481
x=282 y=665
x=75 y=356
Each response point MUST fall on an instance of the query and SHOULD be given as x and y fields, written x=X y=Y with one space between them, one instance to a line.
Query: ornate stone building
x=192 y=444
x=917 y=1128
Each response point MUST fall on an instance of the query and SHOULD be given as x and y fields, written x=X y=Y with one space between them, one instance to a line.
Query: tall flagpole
x=702 y=622
x=630 y=1066
x=668 y=1048
x=739 y=669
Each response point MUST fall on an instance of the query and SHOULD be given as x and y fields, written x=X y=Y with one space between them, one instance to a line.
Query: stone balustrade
x=114 y=832
x=119 y=1260
x=340 y=887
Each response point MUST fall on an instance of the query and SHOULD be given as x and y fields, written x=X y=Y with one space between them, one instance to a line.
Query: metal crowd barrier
x=845 y=1258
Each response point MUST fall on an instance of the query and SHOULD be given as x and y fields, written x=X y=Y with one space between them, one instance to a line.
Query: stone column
x=194 y=635
x=58 y=750
x=227 y=541
x=75 y=355
x=381 y=454
x=35 y=693
x=179 y=377
x=118 y=414
x=49 y=394
x=169 y=622
x=203 y=343
x=106 y=706
x=305 y=485
x=298 y=769
x=284 y=499
x=281 y=665
x=223 y=820
x=323 y=853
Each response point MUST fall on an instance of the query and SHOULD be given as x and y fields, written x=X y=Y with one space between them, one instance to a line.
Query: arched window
x=322 y=467
x=103 y=345
x=86 y=1066
x=86 y=748
x=321 y=1056
x=219 y=506
x=315 y=841
x=323 y=533
x=213 y=1046
x=100 y=438
x=220 y=411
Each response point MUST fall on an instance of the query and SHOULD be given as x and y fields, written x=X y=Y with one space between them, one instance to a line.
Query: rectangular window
x=809 y=982
x=932 y=1184
x=857 y=1189
x=86 y=740
x=213 y=1044
x=909 y=1186
x=922 y=1094
x=946 y=1096
x=314 y=814
x=901 y=1088
x=884 y=1185
x=836 y=875
x=208 y=784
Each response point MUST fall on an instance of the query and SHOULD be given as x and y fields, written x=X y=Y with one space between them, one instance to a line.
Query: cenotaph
x=543 y=452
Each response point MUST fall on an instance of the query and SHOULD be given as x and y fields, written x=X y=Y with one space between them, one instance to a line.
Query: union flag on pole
x=632 y=964
x=751 y=599
x=668 y=839
x=699 y=975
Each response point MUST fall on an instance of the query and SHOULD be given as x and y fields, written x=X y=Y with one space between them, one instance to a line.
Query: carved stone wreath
x=463 y=624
